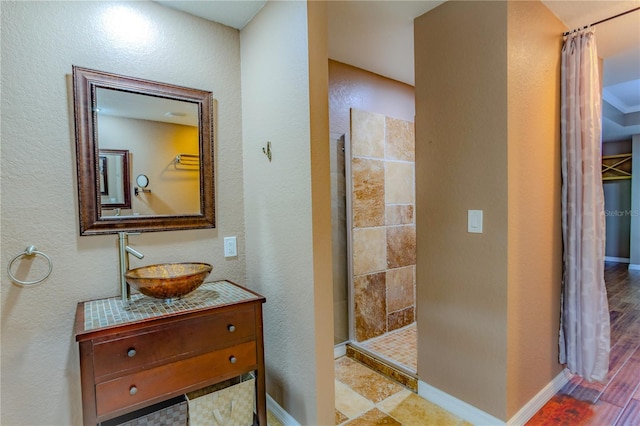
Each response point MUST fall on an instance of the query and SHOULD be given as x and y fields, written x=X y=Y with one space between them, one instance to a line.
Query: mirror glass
x=131 y=127
x=142 y=181
x=115 y=192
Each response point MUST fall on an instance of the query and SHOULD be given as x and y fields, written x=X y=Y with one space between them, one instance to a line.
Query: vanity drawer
x=166 y=344
x=174 y=378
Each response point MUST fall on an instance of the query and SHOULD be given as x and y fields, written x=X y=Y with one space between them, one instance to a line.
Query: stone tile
x=364 y=381
x=400 y=346
x=340 y=418
x=373 y=418
x=273 y=420
x=401 y=246
x=367 y=134
x=399 y=214
x=370 y=305
x=399 y=319
x=386 y=370
x=399 y=183
x=400 y=143
x=409 y=409
x=400 y=288
x=368 y=192
x=350 y=403
x=369 y=250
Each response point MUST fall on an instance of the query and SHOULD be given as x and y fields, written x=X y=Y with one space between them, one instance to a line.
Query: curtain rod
x=601 y=21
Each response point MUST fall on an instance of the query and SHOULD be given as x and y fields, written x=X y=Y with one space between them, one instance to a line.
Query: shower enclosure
x=377 y=281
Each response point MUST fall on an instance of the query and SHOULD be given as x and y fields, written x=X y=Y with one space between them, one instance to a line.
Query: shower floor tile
x=399 y=346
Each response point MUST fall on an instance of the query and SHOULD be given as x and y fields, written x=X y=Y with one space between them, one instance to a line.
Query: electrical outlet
x=230 y=247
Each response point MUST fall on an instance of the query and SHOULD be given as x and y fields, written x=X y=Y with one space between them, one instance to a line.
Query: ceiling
x=378 y=36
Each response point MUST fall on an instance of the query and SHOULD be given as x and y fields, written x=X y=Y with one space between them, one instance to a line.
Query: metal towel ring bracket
x=29 y=251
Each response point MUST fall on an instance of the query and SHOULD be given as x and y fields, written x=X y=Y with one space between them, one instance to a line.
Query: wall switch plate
x=474 y=219
x=230 y=247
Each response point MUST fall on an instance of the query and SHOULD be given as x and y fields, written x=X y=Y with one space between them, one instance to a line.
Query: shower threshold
x=383 y=365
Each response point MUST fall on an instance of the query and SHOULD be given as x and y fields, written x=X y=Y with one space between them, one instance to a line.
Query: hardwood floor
x=616 y=402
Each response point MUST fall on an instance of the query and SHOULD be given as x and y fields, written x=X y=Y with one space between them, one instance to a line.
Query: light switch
x=230 y=248
x=474 y=220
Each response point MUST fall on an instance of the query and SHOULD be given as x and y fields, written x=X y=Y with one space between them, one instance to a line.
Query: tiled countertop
x=111 y=311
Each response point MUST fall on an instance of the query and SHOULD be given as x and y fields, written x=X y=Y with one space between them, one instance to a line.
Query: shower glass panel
x=339 y=238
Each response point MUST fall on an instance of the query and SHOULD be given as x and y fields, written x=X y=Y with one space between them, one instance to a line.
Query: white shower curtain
x=584 y=328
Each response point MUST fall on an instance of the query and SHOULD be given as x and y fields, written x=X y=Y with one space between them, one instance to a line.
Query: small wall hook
x=267 y=151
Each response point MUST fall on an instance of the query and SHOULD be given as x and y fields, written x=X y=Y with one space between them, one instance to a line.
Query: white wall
x=280 y=231
x=39 y=43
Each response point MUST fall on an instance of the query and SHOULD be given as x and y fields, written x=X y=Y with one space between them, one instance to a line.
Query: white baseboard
x=339 y=350
x=541 y=398
x=279 y=413
x=456 y=406
x=617 y=259
x=634 y=267
x=478 y=417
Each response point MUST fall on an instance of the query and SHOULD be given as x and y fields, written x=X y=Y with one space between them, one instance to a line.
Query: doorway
x=380 y=302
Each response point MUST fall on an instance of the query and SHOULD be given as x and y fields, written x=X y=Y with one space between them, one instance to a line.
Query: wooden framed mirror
x=167 y=134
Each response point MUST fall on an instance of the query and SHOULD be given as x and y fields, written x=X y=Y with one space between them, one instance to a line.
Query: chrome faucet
x=124 y=250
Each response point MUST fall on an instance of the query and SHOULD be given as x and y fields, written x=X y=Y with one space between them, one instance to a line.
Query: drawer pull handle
x=131 y=353
x=233 y=359
x=133 y=390
x=231 y=328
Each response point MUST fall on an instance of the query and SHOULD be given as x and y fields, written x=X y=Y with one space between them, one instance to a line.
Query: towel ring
x=29 y=251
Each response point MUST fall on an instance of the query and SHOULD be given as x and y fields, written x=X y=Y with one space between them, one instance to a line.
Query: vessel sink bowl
x=168 y=280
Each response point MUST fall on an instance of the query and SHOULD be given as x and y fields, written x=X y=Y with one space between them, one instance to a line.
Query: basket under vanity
x=136 y=355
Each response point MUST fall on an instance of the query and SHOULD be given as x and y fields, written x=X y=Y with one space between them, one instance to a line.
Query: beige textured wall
x=535 y=232
x=461 y=164
x=39 y=43
x=351 y=87
x=321 y=211
x=487 y=138
x=284 y=219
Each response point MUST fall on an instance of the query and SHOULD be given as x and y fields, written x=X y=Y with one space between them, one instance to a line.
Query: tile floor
x=272 y=420
x=399 y=346
x=616 y=402
x=366 y=398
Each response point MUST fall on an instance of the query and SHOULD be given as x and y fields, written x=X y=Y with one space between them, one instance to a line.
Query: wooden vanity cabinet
x=128 y=366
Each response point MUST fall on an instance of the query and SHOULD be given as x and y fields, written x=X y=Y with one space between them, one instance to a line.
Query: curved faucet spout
x=124 y=250
x=134 y=252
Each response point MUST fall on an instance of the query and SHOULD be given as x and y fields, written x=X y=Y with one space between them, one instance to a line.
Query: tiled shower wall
x=383 y=225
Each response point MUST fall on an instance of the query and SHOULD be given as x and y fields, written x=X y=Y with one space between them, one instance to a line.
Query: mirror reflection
x=132 y=127
x=157 y=132
x=115 y=191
